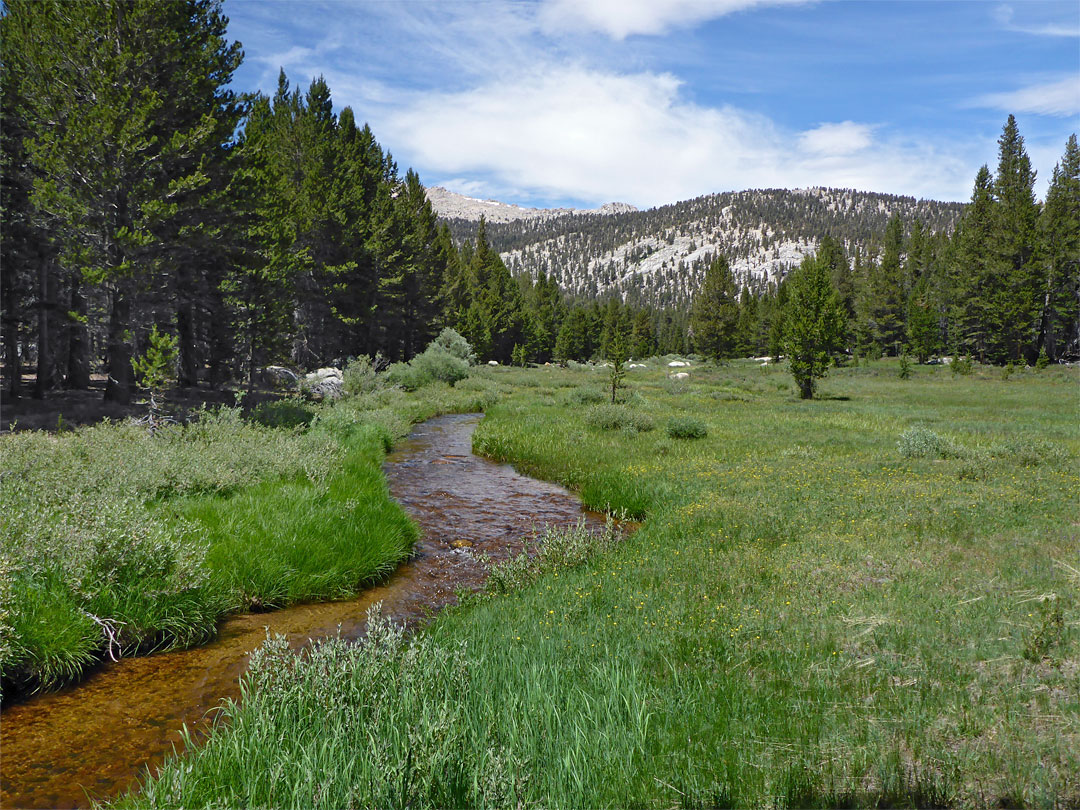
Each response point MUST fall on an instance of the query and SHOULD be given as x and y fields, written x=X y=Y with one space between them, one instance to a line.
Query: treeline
x=140 y=192
x=1001 y=287
x=143 y=197
x=521 y=320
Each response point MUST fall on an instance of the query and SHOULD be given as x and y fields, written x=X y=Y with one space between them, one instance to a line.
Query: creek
x=93 y=740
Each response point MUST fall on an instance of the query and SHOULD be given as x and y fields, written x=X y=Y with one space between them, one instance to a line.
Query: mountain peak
x=451 y=205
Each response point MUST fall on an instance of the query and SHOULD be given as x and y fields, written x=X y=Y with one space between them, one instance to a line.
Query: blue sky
x=580 y=102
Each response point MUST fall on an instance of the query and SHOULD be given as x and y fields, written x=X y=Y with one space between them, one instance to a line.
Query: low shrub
x=455 y=345
x=359 y=376
x=586 y=395
x=962 y=365
x=686 y=427
x=286 y=413
x=435 y=363
x=555 y=548
x=408 y=376
x=441 y=365
x=618 y=417
x=921 y=442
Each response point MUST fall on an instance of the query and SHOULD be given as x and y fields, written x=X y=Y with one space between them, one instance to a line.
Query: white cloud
x=844 y=138
x=621 y=18
x=576 y=133
x=1053 y=98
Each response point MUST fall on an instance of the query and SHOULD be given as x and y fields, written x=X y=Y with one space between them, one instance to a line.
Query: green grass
x=115 y=542
x=810 y=615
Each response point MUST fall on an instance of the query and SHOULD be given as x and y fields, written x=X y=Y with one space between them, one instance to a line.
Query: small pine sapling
x=617 y=358
x=154 y=370
x=905 y=364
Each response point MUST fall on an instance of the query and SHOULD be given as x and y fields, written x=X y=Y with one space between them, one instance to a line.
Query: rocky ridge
x=451 y=205
x=658 y=256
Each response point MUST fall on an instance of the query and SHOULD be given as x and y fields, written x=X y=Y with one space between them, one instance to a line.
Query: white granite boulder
x=324 y=383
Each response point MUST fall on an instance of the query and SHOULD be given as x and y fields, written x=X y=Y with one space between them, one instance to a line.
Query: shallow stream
x=94 y=739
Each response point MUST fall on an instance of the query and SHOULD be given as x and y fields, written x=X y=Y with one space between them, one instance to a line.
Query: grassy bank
x=116 y=542
x=867 y=599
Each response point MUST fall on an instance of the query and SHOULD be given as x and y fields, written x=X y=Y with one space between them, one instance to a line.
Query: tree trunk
x=10 y=323
x=185 y=332
x=78 y=365
x=44 y=343
x=118 y=388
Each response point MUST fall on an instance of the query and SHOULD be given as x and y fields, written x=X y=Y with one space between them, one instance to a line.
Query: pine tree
x=1014 y=302
x=127 y=111
x=883 y=304
x=814 y=324
x=972 y=276
x=715 y=314
x=643 y=338
x=1059 y=231
x=747 y=329
x=572 y=340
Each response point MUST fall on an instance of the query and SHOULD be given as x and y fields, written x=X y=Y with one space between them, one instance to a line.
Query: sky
x=580 y=102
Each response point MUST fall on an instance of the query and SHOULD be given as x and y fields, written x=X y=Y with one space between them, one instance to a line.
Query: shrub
x=686 y=427
x=921 y=442
x=408 y=376
x=455 y=345
x=586 y=396
x=962 y=365
x=618 y=417
x=359 y=375
x=441 y=365
x=556 y=547
x=284 y=413
x=905 y=365
x=1043 y=361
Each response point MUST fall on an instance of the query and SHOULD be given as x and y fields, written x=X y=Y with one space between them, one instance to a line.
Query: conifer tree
x=643 y=338
x=814 y=324
x=572 y=340
x=972 y=276
x=1015 y=305
x=127 y=110
x=747 y=328
x=883 y=302
x=1059 y=231
x=715 y=313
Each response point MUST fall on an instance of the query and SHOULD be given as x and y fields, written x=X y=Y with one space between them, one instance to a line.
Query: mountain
x=658 y=256
x=450 y=205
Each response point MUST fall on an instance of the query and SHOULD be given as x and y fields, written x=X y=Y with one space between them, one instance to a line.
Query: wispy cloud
x=621 y=18
x=1060 y=98
x=578 y=133
x=1005 y=16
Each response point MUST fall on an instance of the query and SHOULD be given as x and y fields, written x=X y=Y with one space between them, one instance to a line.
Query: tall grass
x=812 y=614
x=115 y=542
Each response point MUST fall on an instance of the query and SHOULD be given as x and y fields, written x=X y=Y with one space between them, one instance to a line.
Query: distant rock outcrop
x=451 y=205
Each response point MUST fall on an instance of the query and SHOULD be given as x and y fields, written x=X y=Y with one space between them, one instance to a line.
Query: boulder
x=278 y=377
x=324 y=383
x=493 y=362
x=682 y=375
x=677 y=364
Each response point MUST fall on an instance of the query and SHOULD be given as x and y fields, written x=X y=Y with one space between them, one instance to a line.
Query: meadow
x=868 y=599
x=117 y=542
